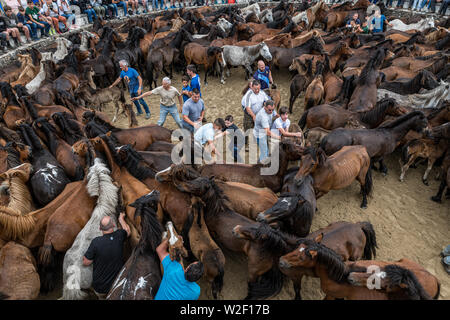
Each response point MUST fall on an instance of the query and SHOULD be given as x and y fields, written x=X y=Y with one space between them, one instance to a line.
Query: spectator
x=112 y=12
x=423 y=4
x=281 y=125
x=444 y=6
x=134 y=81
x=263 y=123
x=238 y=138
x=264 y=75
x=155 y=4
x=106 y=254
x=32 y=13
x=195 y=78
x=252 y=102
x=378 y=22
x=8 y=30
x=167 y=101
x=144 y=3
x=134 y=6
x=206 y=134
x=45 y=16
x=98 y=8
x=21 y=16
x=193 y=112
x=22 y=3
x=64 y=10
x=354 y=23
x=55 y=16
x=86 y=7
x=365 y=26
x=122 y=4
x=177 y=283
x=13 y=22
x=186 y=90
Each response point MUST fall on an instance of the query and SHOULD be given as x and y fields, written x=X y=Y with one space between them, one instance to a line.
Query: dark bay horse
x=140 y=277
x=351 y=241
x=379 y=142
x=282 y=57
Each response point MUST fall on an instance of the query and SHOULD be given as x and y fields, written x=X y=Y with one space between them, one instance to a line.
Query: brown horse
x=315 y=91
x=275 y=94
x=351 y=241
x=13 y=154
x=177 y=251
x=337 y=171
x=206 y=56
x=32 y=68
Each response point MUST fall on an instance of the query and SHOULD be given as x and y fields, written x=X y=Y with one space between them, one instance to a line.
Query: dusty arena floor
x=407 y=223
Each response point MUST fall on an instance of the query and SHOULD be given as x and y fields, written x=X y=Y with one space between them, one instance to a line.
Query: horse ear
x=319 y=238
x=313 y=253
x=108 y=134
x=133 y=145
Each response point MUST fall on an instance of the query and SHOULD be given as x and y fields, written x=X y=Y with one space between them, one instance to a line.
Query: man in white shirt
x=206 y=134
x=263 y=123
x=252 y=102
x=281 y=125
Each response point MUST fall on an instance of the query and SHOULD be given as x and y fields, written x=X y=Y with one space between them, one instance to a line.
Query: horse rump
x=371 y=240
x=267 y=285
x=402 y=277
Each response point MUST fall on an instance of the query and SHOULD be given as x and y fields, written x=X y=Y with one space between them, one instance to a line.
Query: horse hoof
x=436 y=199
x=425 y=182
x=364 y=206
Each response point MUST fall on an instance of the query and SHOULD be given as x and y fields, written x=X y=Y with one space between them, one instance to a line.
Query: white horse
x=62 y=50
x=253 y=8
x=225 y=25
x=76 y=276
x=266 y=16
x=85 y=36
x=235 y=56
x=424 y=99
x=423 y=24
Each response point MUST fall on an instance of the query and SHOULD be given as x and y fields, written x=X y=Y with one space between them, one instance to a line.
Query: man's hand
x=197 y=125
x=254 y=118
x=122 y=215
x=134 y=99
x=139 y=91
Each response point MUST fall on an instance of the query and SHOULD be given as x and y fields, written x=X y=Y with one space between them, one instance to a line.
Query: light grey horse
x=266 y=16
x=225 y=25
x=235 y=56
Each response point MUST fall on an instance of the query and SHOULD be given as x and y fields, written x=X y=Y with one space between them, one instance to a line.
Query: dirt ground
x=407 y=223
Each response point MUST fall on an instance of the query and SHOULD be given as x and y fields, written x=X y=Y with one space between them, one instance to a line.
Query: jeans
x=188 y=126
x=424 y=2
x=155 y=4
x=416 y=4
x=113 y=7
x=44 y=30
x=124 y=6
x=263 y=149
x=163 y=111
x=400 y=4
x=70 y=18
x=444 y=7
x=89 y=13
x=234 y=147
x=141 y=101
x=33 y=34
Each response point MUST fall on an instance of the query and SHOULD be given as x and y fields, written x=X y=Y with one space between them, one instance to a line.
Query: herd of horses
x=64 y=165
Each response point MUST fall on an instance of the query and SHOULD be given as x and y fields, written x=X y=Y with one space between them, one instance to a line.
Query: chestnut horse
x=206 y=56
x=337 y=171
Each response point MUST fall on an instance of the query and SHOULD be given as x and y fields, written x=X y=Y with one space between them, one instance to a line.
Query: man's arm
x=86 y=261
x=145 y=94
x=124 y=225
x=115 y=82
x=140 y=85
x=271 y=134
x=180 y=101
x=202 y=114
x=286 y=133
x=270 y=77
x=161 y=250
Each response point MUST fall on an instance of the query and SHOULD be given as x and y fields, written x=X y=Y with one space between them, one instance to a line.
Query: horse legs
x=438 y=196
x=248 y=72
x=206 y=73
x=425 y=176
x=405 y=167
x=383 y=167
x=116 y=112
x=365 y=180
x=298 y=288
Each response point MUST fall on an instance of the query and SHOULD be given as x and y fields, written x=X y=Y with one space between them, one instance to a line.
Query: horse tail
x=405 y=151
x=45 y=256
x=371 y=240
x=401 y=276
x=47 y=267
x=309 y=104
x=368 y=185
x=214 y=259
x=267 y=285
x=302 y=121
x=79 y=173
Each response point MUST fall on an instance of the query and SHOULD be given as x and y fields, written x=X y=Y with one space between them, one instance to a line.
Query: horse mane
x=182 y=172
x=340 y=45
x=398 y=276
x=136 y=164
x=13 y=158
x=401 y=119
x=7 y=92
x=375 y=114
x=30 y=108
x=371 y=65
x=443 y=42
x=435 y=112
x=216 y=200
x=212 y=50
x=49 y=132
x=273 y=240
x=30 y=137
x=413 y=39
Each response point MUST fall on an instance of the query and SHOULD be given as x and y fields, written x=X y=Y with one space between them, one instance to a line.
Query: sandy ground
x=407 y=223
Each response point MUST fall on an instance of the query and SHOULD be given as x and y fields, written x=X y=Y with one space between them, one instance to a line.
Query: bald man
x=264 y=75
x=106 y=253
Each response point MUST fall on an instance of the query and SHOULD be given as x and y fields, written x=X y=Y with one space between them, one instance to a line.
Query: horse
x=140 y=277
x=282 y=57
x=274 y=93
x=378 y=142
x=176 y=249
x=423 y=24
x=157 y=160
x=315 y=91
x=424 y=79
x=234 y=56
x=100 y=185
x=11 y=110
x=13 y=155
x=17 y=202
x=31 y=69
x=329 y=117
x=264 y=279
x=60 y=149
x=295 y=207
x=206 y=56
x=423 y=148
x=19 y=279
x=337 y=171
x=71 y=130
x=299 y=83
x=445 y=179
x=351 y=241
x=49 y=178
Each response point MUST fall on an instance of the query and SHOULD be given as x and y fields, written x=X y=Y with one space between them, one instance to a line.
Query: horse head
x=310 y=160
x=305 y=255
x=286 y=205
x=264 y=51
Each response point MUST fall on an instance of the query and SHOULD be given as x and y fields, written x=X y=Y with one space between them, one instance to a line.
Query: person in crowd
x=143 y=3
x=14 y=24
x=6 y=32
x=111 y=9
x=206 y=134
x=54 y=11
x=378 y=22
x=280 y=126
x=64 y=11
x=100 y=11
x=443 y=11
x=86 y=7
x=252 y=102
x=193 y=111
x=33 y=15
x=186 y=90
x=45 y=16
x=264 y=75
x=106 y=254
x=195 y=78
x=134 y=80
x=23 y=19
x=134 y=6
x=178 y=283
x=354 y=23
x=238 y=139
x=263 y=123
x=123 y=4
x=167 y=105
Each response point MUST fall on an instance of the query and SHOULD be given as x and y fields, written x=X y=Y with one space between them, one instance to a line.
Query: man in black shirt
x=106 y=252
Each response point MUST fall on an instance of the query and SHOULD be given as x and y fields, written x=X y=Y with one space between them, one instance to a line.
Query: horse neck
x=19 y=197
x=368 y=117
x=115 y=170
x=52 y=139
x=402 y=129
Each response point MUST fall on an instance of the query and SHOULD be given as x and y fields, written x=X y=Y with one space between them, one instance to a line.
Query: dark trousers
x=444 y=7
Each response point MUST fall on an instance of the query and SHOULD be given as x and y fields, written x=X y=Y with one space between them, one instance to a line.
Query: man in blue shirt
x=378 y=22
x=264 y=75
x=195 y=78
x=193 y=111
x=177 y=283
x=186 y=88
x=134 y=81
